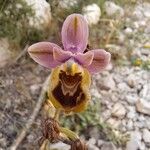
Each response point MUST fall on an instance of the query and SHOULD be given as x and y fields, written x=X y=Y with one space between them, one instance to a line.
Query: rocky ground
x=124 y=93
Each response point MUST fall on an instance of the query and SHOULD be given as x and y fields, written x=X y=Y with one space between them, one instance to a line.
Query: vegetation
x=14 y=24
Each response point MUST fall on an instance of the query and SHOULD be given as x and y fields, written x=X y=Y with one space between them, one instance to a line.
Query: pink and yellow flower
x=71 y=67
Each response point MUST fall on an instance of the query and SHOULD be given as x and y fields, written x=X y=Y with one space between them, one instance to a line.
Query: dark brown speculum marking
x=68 y=91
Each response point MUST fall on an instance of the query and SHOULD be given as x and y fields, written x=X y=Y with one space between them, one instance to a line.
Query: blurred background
x=118 y=116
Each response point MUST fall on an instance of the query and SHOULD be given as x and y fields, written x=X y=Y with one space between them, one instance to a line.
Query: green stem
x=70 y=134
x=57 y=113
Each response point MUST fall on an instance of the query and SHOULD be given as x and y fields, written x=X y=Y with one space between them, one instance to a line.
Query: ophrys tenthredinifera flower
x=71 y=67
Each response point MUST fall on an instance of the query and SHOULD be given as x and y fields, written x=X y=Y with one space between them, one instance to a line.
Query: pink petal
x=85 y=59
x=42 y=53
x=61 y=55
x=75 y=33
x=100 y=61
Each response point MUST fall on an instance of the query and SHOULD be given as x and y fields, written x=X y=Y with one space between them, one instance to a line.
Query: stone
x=131 y=115
x=59 y=146
x=146 y=135
x=92 y=147
x=131 y=98
x=109 y=83
x=123 y=87
x=65 y=4
x=92 y=141
x=142 y=11
x=134 y=142
x=142 y=146
x=92 y=13
x=128 y=31
x=42 y=17
x=129 y=125
x=114 y=123
x=143 y=106
x=94 y=133
x=131 y=80
x=113 y=10
x=108 y=146
x=144 y=93
x=139 y=124
x=35 y=88
x=118 y=111
x=100 y=143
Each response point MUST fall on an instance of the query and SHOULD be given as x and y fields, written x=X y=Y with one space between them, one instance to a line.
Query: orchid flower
x=71 y=67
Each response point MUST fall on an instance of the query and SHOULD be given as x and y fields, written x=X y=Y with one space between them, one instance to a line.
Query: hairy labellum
x=69 y=88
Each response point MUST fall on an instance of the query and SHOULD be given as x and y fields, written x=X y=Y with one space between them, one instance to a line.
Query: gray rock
x=131 y=98
x=131 y=80
x=145 y=94
x=139 y=124
x=108 y=146
x=134 y=142
x=142 y=146
x=118 y=110
x=123 y=87
x=59 y=146
x=94 y=133
x=109 y=83
x=114 y=122
x=146 y=135
x=100 y=143
x=143 y=106
x=131 y=115
x=34 y=89
x=92 y=141
x=130 y=125
x=92 y=147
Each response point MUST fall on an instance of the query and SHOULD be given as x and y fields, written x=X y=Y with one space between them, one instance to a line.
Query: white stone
x=128 y=31
x=94 y=133
x=92 y=13
x=92 y=141
x=42 y=17
x=142 y=11
x=143 y=106
x=35 y=88
x=118 y=110
x=113 y=10
x=145 y=92
x=130 y=125
x=146 y=135
x=142 y=146
x=131 y=115
x=108 y=146
x=123 y=87
x=92 y=147
x=114 y=123
x=131 y=99
x=59 y=146
x=65 y=4
x=100 y=143
x=134 y=142
x=109 y=83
